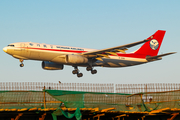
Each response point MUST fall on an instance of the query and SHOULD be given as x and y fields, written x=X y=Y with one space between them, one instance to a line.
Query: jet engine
x=52 y=66
x=76 y=59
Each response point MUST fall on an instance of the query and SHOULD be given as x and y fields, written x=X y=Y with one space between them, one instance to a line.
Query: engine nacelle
x=76 y=59
x=52 y=66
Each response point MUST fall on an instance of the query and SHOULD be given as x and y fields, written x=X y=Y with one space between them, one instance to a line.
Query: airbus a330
x=54 y=57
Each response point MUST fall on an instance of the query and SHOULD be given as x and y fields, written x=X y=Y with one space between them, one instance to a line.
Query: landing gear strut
x=91 y=69
x=21 y=60
x=76 y=71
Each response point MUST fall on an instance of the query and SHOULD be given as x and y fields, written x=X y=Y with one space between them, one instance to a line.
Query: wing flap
x=99 y=58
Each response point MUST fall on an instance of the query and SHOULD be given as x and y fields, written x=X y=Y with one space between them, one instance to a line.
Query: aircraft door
x=22 y=46
x=24 y=50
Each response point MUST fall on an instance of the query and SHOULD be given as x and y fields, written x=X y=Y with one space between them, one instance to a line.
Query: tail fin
x=151 y=48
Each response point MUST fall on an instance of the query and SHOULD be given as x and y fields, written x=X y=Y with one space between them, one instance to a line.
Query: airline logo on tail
x=154 y=44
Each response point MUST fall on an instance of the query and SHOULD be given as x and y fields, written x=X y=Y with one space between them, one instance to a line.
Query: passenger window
x=38 y=45
x=45 y=46
x=51 y=47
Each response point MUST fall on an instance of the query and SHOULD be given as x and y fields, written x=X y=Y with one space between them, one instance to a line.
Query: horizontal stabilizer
x=158 y=57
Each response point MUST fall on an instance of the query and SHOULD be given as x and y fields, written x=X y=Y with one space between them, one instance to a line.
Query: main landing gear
x=76 y=71
x=21 y=60
x=91 y=69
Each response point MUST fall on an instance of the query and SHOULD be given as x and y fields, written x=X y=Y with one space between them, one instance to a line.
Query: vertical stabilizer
x=151 y=48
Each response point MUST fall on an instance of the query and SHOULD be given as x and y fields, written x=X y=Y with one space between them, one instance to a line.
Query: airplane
x=54 y=57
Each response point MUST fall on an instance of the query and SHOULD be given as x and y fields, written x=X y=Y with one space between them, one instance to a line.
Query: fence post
x=44 y=97
x=146 y=93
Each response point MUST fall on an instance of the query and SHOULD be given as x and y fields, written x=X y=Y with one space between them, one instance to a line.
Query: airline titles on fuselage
x=54 y=46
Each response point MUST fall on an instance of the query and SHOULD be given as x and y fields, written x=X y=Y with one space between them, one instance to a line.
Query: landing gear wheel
x=79 y=75
x=89 y=68
x=93 y=71
x=75 y=71
x=21 y=65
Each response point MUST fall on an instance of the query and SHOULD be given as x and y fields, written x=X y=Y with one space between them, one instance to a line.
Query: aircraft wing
x=158 y=57
x=112 y=50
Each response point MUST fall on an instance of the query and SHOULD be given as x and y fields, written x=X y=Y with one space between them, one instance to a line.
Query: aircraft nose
x=5 y=49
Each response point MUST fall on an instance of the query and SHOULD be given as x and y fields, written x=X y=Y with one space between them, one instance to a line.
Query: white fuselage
x=47 y=52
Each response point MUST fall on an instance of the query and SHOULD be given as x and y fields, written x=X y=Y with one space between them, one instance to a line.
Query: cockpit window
x=11 y=45
x=30 y=44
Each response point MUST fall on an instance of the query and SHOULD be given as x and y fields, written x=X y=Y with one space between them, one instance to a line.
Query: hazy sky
x=94 y=24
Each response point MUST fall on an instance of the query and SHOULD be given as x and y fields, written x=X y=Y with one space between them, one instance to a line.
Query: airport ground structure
x=88 y=101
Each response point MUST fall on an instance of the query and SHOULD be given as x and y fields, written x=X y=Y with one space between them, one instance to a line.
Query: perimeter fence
x=144 y=88
x=39 y=86
x=90 y=87
x=123 y=97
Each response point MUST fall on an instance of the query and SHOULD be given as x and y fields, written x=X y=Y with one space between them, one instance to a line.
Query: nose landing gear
x=76 y=71
x=21 y=60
